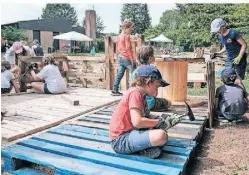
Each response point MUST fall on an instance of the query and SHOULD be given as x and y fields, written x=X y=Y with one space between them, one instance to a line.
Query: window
x=36 y=35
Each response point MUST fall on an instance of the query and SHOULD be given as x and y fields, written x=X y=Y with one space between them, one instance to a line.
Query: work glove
x=237 y=60
x=167 y=121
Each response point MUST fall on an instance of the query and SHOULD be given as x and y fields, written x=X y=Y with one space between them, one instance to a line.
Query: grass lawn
x=203 y=91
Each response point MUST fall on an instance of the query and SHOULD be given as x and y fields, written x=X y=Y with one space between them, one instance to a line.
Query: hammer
x=188 y=113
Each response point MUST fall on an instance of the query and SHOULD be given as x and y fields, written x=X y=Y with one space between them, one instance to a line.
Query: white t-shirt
x=6 y=77
x=10 y=55
x=53 y=79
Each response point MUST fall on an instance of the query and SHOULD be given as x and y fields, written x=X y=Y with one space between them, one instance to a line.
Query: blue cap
x=216 y=25
x=148 y=71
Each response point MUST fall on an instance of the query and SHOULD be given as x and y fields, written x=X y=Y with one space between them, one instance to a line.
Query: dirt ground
x=223 y=150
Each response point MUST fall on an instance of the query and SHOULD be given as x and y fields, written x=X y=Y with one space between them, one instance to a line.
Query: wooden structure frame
x=111 y=62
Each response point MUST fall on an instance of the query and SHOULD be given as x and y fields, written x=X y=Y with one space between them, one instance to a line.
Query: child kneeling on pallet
x=54 y=82
x=132 y=129
x=231 y=99
x=145 y=56
x=7 y=78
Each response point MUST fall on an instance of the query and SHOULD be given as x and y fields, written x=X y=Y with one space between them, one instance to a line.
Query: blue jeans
x=123 y=64
x=131 y=142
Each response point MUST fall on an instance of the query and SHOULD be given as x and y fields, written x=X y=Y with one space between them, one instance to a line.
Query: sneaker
x=116 y=93
x=152 y=152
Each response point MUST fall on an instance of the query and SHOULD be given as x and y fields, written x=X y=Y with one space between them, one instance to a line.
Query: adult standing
x=234 y=45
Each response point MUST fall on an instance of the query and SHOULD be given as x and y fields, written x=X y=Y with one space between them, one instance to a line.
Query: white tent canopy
x=73 y=36
x=161 y=38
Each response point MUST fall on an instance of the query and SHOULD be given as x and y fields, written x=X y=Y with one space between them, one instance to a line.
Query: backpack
x=39 y=51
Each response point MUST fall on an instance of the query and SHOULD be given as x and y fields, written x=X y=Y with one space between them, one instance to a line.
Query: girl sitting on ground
x=54 y=82
x=7 y=78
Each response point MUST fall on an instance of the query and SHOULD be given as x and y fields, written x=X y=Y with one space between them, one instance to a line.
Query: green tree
x=139 y=14
x=100 y=27
x=13 y=34
x=60 y=11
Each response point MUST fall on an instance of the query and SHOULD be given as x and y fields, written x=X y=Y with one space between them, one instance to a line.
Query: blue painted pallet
x=70 y=149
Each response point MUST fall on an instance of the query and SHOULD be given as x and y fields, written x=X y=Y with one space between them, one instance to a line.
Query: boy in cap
x=235 y=47
x=232 y=99
x=145 y=56
x=132 y=129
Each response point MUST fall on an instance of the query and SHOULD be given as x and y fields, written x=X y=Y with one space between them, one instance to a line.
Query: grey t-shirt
x=53 y=78
x=6 y=77
x=232 y=99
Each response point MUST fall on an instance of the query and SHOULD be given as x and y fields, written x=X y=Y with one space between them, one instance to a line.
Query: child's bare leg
x=38 y=86
x=158 y=137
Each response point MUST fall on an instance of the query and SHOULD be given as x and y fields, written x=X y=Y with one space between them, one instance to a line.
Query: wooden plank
x=71 y=100
x=69 y=141
x=27 y=171
x=87 y=75
x=58 y=162
x=102 y=132
x=106 y=126
x=92 y=155
x=16 y=94
x=105 y=139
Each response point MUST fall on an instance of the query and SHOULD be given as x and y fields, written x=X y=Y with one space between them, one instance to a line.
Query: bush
x=13 y=34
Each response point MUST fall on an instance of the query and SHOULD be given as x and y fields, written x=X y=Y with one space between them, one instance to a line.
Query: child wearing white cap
x=235 y=47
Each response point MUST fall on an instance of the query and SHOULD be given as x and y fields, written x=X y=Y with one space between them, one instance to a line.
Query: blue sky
x=109 y=12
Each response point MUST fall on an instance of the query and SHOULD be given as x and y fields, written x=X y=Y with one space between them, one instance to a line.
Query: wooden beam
x=211 y=91
x=70 y=99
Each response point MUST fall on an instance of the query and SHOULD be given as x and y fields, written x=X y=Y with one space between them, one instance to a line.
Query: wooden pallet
x=72 y=149
x=31 y=113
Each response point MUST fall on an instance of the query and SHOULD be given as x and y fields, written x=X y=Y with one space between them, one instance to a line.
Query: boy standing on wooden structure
x=145 y=56
x=232 y=99
x=126 y=59
x=132 y=129
x=235 y=47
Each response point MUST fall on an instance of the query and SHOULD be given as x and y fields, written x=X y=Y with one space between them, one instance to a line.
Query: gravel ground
x=223 y=150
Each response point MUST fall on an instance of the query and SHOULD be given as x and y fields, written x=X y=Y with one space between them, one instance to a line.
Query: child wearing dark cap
x=132 y=129
x=232 y=99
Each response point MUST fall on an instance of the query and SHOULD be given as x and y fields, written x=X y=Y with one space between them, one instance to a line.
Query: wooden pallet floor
x=31 y=113
x=82 y=146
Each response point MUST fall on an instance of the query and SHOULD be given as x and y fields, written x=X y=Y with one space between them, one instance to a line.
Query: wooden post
x=22 y=79
x=108 y=62
x=211 y=91
x=91 y=24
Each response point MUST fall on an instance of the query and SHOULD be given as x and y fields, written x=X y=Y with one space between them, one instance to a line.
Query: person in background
x=234 y=45
x=7 y=78
x=14 y=51
x=145 y=56
x=37 y=48
x=231 y=99
x=54 y=82
x=125 y=55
